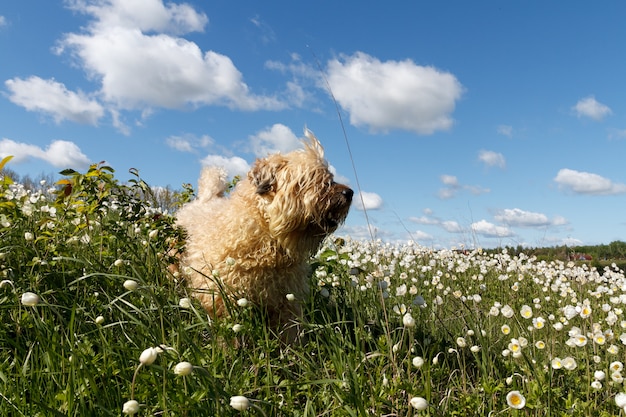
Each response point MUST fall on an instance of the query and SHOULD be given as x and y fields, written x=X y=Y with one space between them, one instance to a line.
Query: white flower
x=30 y=299
x=183 y=368
x=556 y=363
x=99 y=320
x=290 y=297
x=118 y=262
x=184 y=302
x=569 y=363
x=28 y=236
x=419 y=403
x=130 y=407
x=153 y=233
x=599 y=375
x=239 y=402
x=475 y=349
x=418 y=361
x=596 y=384
x=237 y=328
x=408 y=320
x=242 y=302
x=460 y=341
x=515 y=400
x=148 y=356
x=526 y=312
x=620 y=399
x=507 y=311
x=131 y=285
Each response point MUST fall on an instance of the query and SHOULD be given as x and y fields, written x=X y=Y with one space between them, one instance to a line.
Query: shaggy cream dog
x=256 y=242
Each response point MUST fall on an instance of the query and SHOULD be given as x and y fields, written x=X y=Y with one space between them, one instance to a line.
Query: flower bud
x=183 y=368
x=239 y=402
x=419 y=403
x=130 y=407
x=30 y=299
x=131 y=285
x=148 y=356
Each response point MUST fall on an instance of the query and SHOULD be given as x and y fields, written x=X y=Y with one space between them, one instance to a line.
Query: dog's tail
x=212 y=183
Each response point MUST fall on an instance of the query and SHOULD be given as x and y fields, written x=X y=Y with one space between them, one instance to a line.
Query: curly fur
x=256 y=243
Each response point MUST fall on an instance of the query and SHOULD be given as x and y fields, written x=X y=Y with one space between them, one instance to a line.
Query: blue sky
x=468 y=123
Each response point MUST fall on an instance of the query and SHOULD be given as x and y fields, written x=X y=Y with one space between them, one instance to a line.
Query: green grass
x=384 y=323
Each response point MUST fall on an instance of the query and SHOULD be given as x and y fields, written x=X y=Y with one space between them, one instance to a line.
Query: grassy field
x=94 y=325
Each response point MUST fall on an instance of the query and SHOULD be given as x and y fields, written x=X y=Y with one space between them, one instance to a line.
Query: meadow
x=94 y=324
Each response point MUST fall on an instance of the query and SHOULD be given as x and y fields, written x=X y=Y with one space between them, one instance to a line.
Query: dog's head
x=298 y=195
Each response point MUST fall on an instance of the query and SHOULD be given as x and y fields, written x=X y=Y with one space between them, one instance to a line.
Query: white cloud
x=452 y=226
x=278 y=138
x=591 y=108
x=53 y=98
x=571 y=242
x=491 y=158
x=188 y=143
x=145 y=15
x=587 y=183
x=60 y=153
x=420 y=236
x=617 y=133
x=369 y=201
x=449 y=180
x=452 y=187
x=505 y=130
x=424 y=220
x=487 y=229
x=3 y=21
x=233 y=165
x=522 y=218
x=130 y=48
x=393 y=94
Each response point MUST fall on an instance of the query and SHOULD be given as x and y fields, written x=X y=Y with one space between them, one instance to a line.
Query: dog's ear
x=263 y=173
x=313 y=144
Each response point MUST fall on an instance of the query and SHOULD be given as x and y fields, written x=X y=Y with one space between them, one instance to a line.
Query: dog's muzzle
x=339 y=205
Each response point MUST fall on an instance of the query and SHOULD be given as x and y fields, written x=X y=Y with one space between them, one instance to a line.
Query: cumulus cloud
x=580 y=182
x=367 y=201
x=131 y=48
x=491 y=159
x=424 y=220
x=188 y=143
x=233 y=165
x=522 y=218
x=54 y=99
x=394 y=94
x=60 y=153
x=488 y=229
x=421 y=236
x=591 y=108
x=146 y=15
x=452 y=186
x=452 y=226
x=277 y=138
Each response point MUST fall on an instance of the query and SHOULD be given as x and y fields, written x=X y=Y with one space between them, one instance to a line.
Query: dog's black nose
x=348 y=193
